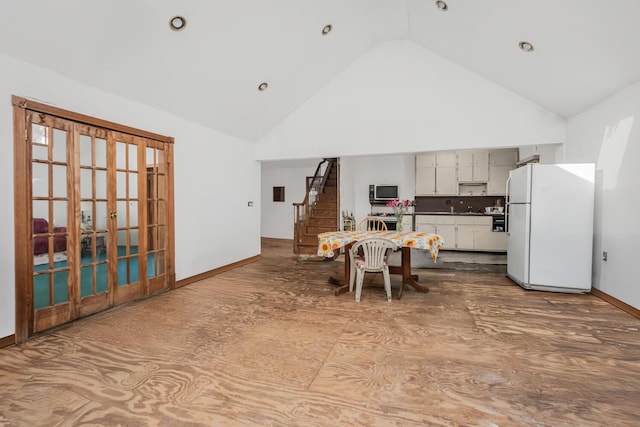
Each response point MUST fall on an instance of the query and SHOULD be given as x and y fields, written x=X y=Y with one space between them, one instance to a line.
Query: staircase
x=318 y=212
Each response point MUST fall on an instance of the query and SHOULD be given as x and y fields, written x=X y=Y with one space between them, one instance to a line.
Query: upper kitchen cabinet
x=473 y=166
x=500 y=163
x=506 y=157
x=436 y=174
x=426 y=174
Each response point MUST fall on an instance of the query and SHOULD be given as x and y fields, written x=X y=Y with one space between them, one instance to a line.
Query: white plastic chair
x=373 y=260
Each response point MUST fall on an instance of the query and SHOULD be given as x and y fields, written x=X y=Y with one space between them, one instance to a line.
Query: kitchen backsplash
x=460 y=203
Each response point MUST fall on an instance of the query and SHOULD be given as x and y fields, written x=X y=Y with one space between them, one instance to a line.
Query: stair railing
x=315 y=186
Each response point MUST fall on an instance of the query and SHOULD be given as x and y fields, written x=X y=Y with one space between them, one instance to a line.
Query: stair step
x=308 y=249
x=325 y=222
x=327 y=197
x=321 y=212
x=317 y=229
x=309 y=239
x=325 y=205
x=327 y=216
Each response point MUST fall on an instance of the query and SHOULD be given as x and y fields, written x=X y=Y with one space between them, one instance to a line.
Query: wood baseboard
x=616 y=302
x=197 y=277
x=7 y=341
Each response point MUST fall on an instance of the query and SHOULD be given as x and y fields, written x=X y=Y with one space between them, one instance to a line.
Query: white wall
x=401 y=98
x=608 y=134
x=277 y=217
x=215 y=176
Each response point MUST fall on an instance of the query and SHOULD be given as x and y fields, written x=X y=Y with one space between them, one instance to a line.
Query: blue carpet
x=60 y=278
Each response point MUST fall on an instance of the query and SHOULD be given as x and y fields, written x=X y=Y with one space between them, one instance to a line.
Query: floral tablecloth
x=332 y=240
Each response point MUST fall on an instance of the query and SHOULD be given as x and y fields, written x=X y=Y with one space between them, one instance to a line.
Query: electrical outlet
x=605 y=255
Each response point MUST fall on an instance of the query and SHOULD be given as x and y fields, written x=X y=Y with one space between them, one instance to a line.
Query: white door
x=518 y=242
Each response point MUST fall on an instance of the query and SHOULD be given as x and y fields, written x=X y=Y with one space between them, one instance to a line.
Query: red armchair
x=41 y=243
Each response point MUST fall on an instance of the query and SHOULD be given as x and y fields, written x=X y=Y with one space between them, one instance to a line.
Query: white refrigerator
x=549 y=224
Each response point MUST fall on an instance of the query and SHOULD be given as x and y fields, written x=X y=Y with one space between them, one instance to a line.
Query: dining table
x=332 y=241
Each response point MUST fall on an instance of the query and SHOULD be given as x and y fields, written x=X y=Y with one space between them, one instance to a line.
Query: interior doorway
x=93 y=214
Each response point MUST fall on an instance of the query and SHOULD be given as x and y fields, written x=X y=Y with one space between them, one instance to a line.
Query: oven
x=389 y=221
x=498 y=223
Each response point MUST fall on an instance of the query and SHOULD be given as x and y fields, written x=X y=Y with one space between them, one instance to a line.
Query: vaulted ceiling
x=585 y=50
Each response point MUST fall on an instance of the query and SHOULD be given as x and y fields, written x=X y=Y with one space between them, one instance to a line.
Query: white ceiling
x=585 y=50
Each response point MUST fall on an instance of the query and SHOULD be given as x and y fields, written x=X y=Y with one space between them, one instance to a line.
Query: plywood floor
x=268 y=344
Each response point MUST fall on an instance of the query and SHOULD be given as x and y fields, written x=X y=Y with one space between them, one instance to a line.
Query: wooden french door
x=93 y=222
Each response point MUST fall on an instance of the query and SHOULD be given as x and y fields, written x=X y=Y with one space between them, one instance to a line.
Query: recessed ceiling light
x=441 y=5
x=177 y=23
x=263 y=86
x=526 y=47
x=326 y=29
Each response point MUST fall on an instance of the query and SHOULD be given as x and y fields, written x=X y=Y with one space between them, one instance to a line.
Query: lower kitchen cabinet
x=448 y=234
x=476 y=234
x=443 y=225
x=489 y=240
x=462 y=232
x=466 y=237
x=407 y=222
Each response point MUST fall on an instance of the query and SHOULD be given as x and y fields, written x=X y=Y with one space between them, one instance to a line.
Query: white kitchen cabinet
x=476 y=233
x=407 y=223
x=506 y=157
x=446 y=159
x=442 y=225
x=426 y=160
x=466 y=237
x=473 y=166
x=463 y=232
x=426 y=228
x=466 y=228
x=465 y=166
x=436 y=174
x=497 y=183
x=480 y=166
x=446 y=181
x=500 y=163
x=425 y=181
x=448 y=234
x=489 y=240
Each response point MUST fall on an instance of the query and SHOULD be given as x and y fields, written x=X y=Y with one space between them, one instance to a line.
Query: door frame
x=24 y=310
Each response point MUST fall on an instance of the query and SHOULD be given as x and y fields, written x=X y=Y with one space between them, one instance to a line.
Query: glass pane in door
x=127 y=215
x=93 y=212
x=50 y=207
x=156 y=211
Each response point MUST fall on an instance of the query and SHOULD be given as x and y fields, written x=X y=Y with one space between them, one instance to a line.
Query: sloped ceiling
x=209 y=73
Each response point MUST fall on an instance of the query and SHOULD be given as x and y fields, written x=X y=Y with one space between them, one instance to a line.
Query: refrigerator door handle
x=506 y=207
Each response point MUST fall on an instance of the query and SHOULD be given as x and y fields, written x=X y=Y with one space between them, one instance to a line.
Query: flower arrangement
x=399 y=208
